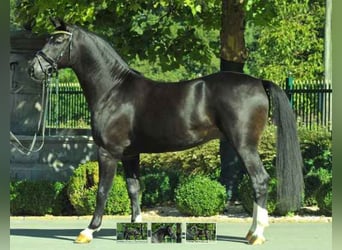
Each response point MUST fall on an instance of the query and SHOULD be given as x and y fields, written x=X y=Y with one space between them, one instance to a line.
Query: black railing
x=67 y=107
x=311 y=101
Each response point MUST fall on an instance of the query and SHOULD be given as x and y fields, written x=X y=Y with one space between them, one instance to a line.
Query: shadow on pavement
x=71 y=234
x=231 y=239
x=61 y=234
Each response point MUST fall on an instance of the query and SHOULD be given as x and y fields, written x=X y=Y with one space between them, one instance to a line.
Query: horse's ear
x=58 y=23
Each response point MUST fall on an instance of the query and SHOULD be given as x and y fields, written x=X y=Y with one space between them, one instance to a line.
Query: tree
x=290 y=42
x=171 y=33
x=282 y=35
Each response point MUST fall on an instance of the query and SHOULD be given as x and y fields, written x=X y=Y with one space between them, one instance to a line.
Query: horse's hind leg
x=259 y=179
x=107 y=170
x=245 y=136
x=131 y=166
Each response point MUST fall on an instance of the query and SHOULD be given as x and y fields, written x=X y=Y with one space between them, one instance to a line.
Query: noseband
x=53 y=62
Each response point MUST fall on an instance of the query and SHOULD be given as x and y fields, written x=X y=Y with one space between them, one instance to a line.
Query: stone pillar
x=25 y=94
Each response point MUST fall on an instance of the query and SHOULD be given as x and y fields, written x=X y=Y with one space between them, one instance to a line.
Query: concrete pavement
x=59 y=233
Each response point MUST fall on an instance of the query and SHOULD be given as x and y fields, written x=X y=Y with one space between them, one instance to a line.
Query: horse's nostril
x=30 y=71
x=49 y=70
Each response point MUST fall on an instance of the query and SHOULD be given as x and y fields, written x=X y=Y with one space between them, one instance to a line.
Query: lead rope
x=41 y=123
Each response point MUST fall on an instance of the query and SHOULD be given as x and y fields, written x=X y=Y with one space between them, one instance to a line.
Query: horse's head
x=170 y=232
x=55 y=54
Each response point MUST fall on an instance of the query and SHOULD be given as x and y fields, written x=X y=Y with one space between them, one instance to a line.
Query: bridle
x=48 y=72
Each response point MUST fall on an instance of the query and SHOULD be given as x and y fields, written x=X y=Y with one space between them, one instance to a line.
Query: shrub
x=320 y=185
x=203 y=160
x=317 y=156
x=156 y=189
x=82 y=189
x=200 y=196
x=313 y=181
x=35 y=198
x=324 y=198
x=62 y=203
x=158 y=185
x=13 y=197
x=316 y=149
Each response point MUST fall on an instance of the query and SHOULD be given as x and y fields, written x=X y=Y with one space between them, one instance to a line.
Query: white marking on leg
x=262 y=216
x=254 y=223
x=138 y=218
x=261 y=222
x=89 y=233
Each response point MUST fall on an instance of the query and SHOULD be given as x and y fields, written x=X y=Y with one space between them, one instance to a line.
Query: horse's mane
x=108 y=52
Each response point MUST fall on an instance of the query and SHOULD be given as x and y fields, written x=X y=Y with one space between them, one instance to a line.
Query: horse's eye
x=59 y=39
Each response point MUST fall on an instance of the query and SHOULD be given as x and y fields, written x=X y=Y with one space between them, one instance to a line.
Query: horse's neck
x=98 y=68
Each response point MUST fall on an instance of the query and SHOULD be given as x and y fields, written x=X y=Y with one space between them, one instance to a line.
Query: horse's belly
x=169 y=142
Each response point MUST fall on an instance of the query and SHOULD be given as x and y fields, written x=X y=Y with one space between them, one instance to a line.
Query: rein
x=46 y=91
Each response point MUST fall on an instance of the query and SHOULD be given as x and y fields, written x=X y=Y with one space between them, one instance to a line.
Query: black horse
x=130 y=233
x=131 y=114
x=199 y=233
x=159 y=235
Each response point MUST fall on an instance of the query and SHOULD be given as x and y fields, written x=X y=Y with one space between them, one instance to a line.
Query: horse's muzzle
x=36 y=72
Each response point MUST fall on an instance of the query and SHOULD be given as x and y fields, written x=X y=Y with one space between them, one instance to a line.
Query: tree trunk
x=233 y=55
x=233 y=50
x=327 y=42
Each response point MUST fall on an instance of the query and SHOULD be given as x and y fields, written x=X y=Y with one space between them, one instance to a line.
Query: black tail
x=289 y=163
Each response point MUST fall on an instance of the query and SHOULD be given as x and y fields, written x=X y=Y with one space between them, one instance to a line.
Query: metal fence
x=311 y=101
x=67 y=107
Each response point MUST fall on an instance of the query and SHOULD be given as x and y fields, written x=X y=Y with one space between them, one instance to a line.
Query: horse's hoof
x=256 y=240
x=249 y=236
x=83 y=239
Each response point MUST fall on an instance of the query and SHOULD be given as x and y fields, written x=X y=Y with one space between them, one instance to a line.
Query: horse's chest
x=112 y=124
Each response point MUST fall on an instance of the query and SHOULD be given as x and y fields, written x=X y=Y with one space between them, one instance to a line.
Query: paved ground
x=59 y=232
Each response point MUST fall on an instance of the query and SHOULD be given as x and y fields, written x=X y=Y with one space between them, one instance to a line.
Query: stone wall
x=57 y=159
x=61 y=153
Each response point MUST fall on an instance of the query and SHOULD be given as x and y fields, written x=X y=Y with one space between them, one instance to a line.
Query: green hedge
x=324 y=198
x=156 y=189
x=37 y=198
x=82 y=189
x=200 y=196
x=200 y=160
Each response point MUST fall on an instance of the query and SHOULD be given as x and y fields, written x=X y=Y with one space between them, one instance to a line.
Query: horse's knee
x=133 y=186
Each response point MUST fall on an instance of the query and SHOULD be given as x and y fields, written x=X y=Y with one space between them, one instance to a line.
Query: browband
x=61 y=32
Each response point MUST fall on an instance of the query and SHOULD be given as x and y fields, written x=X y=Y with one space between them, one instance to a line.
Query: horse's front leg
x=107 y=170
x=131 y=166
